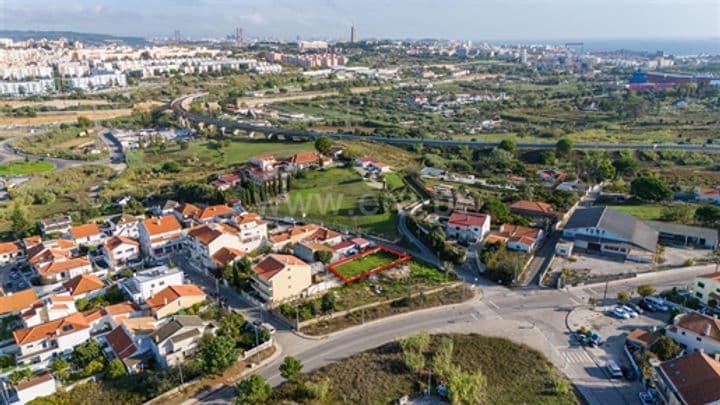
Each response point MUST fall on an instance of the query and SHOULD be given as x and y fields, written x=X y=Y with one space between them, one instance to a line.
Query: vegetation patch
x=20 y=168
x=362 y=265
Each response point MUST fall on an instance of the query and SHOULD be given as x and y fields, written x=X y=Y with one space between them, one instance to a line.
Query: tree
x=320 y=391
x=328 y=302
x=623 y=297
x=253 y=390
x=442 y=361
x=626 y=164
x=19 y=375
x=291 y=368
x=645 y=289
x=650 y=188
x=323 y=145
x=323 y=256
x=508 y=145
x=94 y=367
x=86 y=352
x=666 y=348
x=60 y=368
x=466 y=388
x=233 y=326
x=677 y=213
x=414 y=361
x=217 y=353
x=417 y=343
x=708 y=215
x=20 y=224
x=115 y=369
x=563 y=147
x=84 y=122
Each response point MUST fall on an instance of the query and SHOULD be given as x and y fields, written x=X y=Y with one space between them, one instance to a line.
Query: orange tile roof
x=10 y=247
x=52 y=329
x=274 y=264
x=161 y=225
x=213 y=211
x=83 y=231
x=533 y=206
x=21 y=386
x=120 y=343
x=467 y=219
x=304 y=158
x=187 y=209
x=32 y=241
x=59 y=266
x=172 y=293
x=517 y=230
x=226 y=255
x=695 y=376
x=83 y=283
x=121 y=308
x=204 y=234
x=117 y=241
x=17 y=301
x=643 y=337
x=495 y=238
x=247 y=218
x=711 y=276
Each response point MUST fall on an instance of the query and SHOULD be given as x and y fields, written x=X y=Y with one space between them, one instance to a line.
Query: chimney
x=716 y=356
x=708 y=329
x=165 y=301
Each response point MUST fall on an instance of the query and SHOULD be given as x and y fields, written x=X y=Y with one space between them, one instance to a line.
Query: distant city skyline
x=489 y=20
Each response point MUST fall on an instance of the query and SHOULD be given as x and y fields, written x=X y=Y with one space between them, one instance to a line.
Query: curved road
x=178 y=105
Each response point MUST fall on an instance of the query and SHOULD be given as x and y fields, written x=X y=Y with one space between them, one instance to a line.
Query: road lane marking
x=574 y=301
x=577 y=356
x=492 y=304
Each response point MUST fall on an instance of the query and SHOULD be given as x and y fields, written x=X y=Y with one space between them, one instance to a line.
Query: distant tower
x=238 y=37
x=354 y=37
x=177 y=36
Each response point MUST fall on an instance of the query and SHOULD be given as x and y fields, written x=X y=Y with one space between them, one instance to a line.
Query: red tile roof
x=226 y=255
x=161 y=225
x=17 y=301
x=214 y=211
x=59 y=266
x=467 y=219
x=700 y=324
x=695 y=376
x=83 y=283
x=273 y=264
x=10 y=247
x=48 y=330
x=171 y=293
x=305 y=158
x=83 y=231
x=121 y=343
x=538 y=207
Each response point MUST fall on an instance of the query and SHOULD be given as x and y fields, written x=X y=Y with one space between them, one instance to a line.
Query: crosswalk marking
x=576 y=356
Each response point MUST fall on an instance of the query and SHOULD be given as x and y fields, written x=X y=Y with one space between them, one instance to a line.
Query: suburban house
x=10 y=252
x=204 y=241
x=104 y=319
x=62 y=268
x=372 y=164
x=125 y=225
x=711 y=195
x=696 y=331
x=606 y=231
x=49 y=309
x=185 y=212
x=84 y=286
x=467 y=226
x=685 y=235
x=119 y=250
x=56 y=225
x=227 y=181
x=41 y=343
x=179 y=338
x=707 y=288
x=87 y=234
x=304 y=232
x=132 y=350
x=641 y=338
x=304 y=160
x=516 y=237
x=146 y=283
x=12 y=303
x=306 y=250
x=253 y=230
x=160 y=237
x=264 y=162
x=552 y=175
x=261 y=168
x=39 y=252
x=214 y=213
x=35 y=387
x=279 y=277
x=534 y=209
x=225 y=256
x=691 y=379
x=174 y=298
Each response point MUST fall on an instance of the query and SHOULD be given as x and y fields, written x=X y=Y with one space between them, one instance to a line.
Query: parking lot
x=12 y=280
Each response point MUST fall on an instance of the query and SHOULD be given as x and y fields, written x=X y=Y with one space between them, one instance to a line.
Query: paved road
x=422 y=251
x=540 y=259
x=10 y=154
x=178 y=106
x=534 y=316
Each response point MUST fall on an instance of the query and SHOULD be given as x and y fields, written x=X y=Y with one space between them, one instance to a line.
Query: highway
x=178 y=105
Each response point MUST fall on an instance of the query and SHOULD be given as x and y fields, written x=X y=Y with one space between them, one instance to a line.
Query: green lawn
x=23 y=167
x=393 y=181
x=338 y=198
x=364 y=264
x=641 y=211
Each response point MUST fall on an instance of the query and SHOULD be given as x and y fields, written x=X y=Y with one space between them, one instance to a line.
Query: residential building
x=146 y=283
x=11 y=252
x=711 y=195
x=49 y=309
x=133 y=350
x=310 y=232
x=304 y=160
x=63 y=268
x=534 y=209
x=467 y=226
x=266 y=163
x=279 y=277
x=605 y=231
x=213 y=213
x=160 y=237
x=517 y=237
x=84 y=286
x=707 y=289
x=225 y=182
x=174 y=298
x=87 y=234
x=685 y=235
x=12 y=303
x=56 y=225
x=186 y=212
x=178 y=339
x=642 y=339
x=306 y=250
x=35 y=387
x=693 y=379
x=40 y=253
x=696 y=332
x=41 y=343
x=204 y=241
x=372 y=164
x=253 y=231
x=119 y=250
x=125 y=225
x=225 y=256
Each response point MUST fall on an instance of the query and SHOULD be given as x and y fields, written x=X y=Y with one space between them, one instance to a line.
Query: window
x=682 y=333
x=698 y=294
x=701 y=284
x=699 y=339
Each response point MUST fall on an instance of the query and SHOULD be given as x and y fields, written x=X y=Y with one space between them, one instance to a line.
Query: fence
x=257 y=349
x=402 y=257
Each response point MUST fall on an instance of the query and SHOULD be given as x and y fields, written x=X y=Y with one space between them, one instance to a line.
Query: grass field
x=23 y=167
x=516 y=374
x=339 y=198
x=393 y=181
x=364 y=264
x=66 y=143
x=66 y=117
x=641 y=211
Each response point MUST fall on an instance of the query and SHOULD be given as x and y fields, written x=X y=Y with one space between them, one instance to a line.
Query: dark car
x=647 y=306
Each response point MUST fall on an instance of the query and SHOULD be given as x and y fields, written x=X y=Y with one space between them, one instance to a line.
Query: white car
x=629 y=311
x=619 y=313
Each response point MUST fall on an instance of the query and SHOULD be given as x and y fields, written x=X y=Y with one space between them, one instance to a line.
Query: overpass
x=179 y=107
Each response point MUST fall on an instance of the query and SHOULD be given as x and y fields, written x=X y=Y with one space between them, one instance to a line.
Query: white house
x=697 y=332
x=125 y=225
x=87 y=234
x=370 y=163
x=160 y=237
x=203 y=241
x=146 y=283
x=118 y=250
x=178 y=339
x=10 y=252
x=711 y=195
x=253 y=231
x=35 y=387
x=264 y=162
x=63 y=268
x=42 y=343
x=468 y=226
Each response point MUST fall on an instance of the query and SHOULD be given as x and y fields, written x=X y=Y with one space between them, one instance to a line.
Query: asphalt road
x=533 y=316
x=178 y=106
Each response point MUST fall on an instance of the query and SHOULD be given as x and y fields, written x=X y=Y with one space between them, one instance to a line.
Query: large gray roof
x=686 y=230
x=626 y=226
x=176 y=324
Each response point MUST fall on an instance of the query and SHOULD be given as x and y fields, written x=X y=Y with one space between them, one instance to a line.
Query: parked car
x=658 y=303
x=619 y=313
x=271 y=329
x=647 y=306
x=22 y=285
x=636 y=308
x=613 y=369
x=646 y=398
x=630 y=311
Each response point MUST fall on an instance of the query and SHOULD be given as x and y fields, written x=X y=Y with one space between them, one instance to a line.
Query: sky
x=331 y=19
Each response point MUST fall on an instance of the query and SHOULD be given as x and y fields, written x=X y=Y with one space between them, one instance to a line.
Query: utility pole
x=606 y=288
x=257 y=341
x=181 y=375
x=297 y=319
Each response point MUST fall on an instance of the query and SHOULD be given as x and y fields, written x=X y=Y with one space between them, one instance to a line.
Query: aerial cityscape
x=359 y=202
